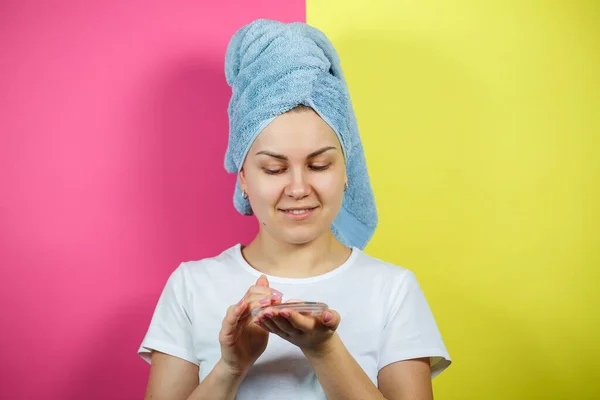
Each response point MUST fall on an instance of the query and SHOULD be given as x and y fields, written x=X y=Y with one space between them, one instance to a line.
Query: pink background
x=113 y=127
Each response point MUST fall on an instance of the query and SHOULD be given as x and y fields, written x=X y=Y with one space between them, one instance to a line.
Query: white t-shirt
x=384 y=318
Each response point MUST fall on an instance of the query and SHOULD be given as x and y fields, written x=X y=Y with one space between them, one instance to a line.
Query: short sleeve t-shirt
x=385 y=318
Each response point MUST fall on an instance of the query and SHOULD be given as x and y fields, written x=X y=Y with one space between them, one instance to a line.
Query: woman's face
x=294 y=176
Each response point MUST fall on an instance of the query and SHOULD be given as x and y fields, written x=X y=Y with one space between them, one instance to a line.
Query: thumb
x=262 y=281
x=331 y=319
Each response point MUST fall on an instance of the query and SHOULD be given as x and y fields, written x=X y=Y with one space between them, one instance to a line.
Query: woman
x=301 y=171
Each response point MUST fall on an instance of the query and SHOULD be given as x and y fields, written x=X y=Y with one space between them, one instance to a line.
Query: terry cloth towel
x=273 y=67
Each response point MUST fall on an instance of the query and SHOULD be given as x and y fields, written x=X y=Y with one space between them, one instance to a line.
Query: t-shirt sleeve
x=411 y=331
x=170 y=329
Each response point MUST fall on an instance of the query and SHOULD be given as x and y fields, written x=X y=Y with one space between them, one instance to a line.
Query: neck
x=277 y=258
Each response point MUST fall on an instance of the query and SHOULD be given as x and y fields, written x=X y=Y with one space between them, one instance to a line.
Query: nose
x=298 y=187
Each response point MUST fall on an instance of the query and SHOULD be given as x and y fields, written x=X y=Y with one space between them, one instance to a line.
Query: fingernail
x=285 y=314
x=327 y=317
x=277 y=292
x=257 y=323
x=264 y=301
x=268 y=315
x=276 y=296
x=240 y=302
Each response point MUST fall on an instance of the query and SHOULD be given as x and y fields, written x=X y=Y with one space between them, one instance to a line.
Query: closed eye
x=280 y=170
x=319 y=167
x=272 y=171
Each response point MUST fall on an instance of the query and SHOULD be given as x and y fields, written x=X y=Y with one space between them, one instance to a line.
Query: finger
x=256 y=293
x=331 y=319
x=264 y=299
x=285 y=325
x=267 y=321
x=256 y=290
x=256 y=298
x=262 y=325
x=261 y=304
x=299 y=321
x=262 y=281
x=234 y=312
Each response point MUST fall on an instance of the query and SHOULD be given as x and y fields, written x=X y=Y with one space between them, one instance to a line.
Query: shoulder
x=379 y=268
x=189 y=275
x=391 y=280
x=208 y=264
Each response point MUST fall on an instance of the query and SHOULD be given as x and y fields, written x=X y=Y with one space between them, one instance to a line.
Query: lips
x=298 y=213
x=298 y=210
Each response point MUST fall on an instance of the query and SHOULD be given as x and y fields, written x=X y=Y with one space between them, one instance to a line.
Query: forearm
x=340 y=375
x=220 y=384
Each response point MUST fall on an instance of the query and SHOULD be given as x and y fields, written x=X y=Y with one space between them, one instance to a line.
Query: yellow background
x=480 y=121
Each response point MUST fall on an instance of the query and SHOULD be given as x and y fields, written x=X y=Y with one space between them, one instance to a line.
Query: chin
x=301 y=236
x=297 y=233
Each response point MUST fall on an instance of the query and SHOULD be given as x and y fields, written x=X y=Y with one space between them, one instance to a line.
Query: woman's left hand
x=311 y=333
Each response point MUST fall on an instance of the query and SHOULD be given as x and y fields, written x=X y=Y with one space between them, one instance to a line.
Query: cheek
x=266 y=191
x=330 y=187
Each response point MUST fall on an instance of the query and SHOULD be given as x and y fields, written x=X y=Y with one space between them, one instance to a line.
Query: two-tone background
x=480 y=121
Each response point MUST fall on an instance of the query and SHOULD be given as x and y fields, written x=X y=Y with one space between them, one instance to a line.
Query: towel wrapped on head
x=272 y=67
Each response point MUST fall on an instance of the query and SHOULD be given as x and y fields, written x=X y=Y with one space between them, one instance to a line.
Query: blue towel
x=273 y=67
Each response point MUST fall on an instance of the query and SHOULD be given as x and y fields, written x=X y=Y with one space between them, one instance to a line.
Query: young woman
x=294 y=144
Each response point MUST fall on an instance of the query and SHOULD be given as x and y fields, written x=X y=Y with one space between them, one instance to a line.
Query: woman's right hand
x=242 y=341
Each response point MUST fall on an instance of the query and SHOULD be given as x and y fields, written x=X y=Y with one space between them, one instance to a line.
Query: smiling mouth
x=297 y=211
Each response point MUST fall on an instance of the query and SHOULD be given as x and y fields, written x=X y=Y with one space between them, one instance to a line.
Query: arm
x=339 y=374
x=337 y=371
x=409 y=379
x=342 y=378
x=172 y=378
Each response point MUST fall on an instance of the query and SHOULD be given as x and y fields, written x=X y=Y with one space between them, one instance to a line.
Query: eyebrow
x=284 y=158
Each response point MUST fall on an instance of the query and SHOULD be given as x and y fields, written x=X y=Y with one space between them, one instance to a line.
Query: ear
x=242 y=176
